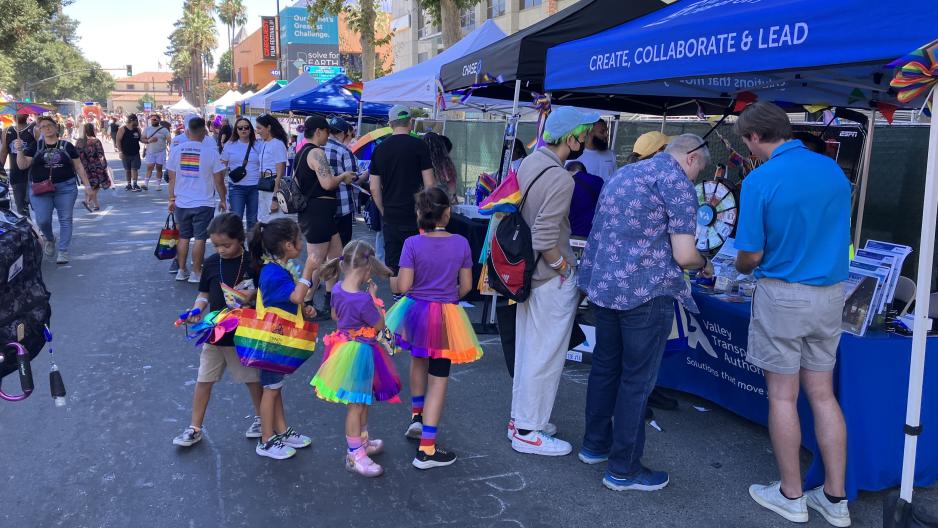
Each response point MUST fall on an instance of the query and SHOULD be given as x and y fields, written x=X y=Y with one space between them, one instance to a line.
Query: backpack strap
x=526 y=191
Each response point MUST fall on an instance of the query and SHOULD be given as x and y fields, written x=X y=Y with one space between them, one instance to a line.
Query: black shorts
x=318 y=220
x=439 y=367
x=394 y=237
x=345 y=224
x=131 y=162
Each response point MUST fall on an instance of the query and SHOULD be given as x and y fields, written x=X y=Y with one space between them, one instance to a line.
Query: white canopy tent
x=182 y=106
x=230 y=97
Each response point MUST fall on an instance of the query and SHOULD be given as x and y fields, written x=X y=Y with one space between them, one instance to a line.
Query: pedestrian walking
x=356 y=370
x=794 y=236
x=643 y=235
x=228 y=267
x=128 y=145
x=272 y=140
x=54 y=171
x=273 y=244
x=156 y=137
x=435 y=272
x=242 y=159
x=91 y=154
x=19 y=178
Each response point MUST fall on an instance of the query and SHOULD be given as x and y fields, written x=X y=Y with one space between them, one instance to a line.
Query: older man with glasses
x=631 y=271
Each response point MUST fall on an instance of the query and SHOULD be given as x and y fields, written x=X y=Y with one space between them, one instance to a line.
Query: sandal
x=87 y=206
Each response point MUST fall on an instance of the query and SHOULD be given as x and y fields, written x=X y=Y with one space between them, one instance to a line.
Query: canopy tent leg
x=358 y=127
x=514 y=103
x=615 y=132
x=922 y=294
x=863 y=183
x=664 y=118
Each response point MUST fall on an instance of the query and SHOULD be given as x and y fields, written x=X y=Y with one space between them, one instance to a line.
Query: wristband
x=201 y=300
x=557 y=263
x=305 y=282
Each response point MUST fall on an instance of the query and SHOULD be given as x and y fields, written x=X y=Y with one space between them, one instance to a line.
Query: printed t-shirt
x=52 y=159
x=195 y=164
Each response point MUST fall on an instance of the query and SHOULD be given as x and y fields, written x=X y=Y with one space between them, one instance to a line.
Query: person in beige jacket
x=544 y=322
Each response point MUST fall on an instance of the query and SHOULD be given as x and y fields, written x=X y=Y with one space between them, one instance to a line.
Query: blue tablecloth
x=707 y=358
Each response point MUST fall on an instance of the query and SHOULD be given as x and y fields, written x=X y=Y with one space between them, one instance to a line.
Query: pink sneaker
x=358 y=462
x=374 y=447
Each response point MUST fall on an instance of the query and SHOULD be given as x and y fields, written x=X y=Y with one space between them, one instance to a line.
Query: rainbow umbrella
x=364 y=146
x=32 y=108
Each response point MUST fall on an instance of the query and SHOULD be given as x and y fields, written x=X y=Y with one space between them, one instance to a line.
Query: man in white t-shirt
x=155 y=137
x=596 y=157
x=196 y=174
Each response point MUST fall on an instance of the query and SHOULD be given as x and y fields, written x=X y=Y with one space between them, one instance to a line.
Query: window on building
x=425 y=26
x=528 y=4
x=422 y=56
x=496 y=8
x=467 y=18
x=130 y=87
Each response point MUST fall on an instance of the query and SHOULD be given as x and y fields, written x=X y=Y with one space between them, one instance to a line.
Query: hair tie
x=341 y=258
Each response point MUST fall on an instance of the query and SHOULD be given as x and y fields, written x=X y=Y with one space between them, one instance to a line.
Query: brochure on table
x=871 y=285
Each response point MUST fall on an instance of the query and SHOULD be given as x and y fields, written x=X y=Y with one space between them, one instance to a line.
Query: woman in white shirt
x=243 y=151
x=273 y=161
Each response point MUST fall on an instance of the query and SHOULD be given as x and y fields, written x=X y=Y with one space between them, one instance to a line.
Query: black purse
x=238 y=173
x=268 y=180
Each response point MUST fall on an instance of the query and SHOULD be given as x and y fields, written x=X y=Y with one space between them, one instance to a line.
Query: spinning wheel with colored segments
x=716 y=214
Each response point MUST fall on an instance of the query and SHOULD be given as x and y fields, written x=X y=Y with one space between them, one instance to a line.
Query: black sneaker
x=129 y=187
x=438 y=459
x=136 y=188
x=415 y=429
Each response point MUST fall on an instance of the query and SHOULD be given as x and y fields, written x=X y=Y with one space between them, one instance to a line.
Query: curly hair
x=443 y=167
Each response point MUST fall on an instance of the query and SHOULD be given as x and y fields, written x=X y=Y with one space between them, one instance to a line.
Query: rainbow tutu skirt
x=434 y=330
x=355 y=370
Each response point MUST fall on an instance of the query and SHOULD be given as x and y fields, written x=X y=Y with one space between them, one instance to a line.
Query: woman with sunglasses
x=273 y=146
x=242 y=158
x=53 y=159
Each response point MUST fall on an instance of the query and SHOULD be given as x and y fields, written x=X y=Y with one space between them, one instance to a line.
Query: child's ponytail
x=330 y=270
x=268 y=238
x=256 y=245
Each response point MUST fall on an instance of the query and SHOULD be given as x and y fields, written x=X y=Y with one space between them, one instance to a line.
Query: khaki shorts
x=213 y=361
x=795 y=326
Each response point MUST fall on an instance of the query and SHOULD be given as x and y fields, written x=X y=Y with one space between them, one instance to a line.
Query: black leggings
x=439 y=367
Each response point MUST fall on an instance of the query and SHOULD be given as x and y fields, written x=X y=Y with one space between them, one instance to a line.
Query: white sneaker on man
x=182 y=275
x=836 y=514
x=48 y=248
x=62 y=257
x=770 y=497
x=194 y=277
x=539 y=443
x=549 y=429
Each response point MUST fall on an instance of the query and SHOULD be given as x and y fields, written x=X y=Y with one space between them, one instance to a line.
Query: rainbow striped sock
x=428 y=439
x=416 y=406
x=354 y=442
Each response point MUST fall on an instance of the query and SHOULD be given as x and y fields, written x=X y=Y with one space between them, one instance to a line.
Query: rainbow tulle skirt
x=355 y=370
x=433 y=329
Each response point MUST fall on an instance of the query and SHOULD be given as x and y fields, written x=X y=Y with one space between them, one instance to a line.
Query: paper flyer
x=882 y=259
x=860 y=291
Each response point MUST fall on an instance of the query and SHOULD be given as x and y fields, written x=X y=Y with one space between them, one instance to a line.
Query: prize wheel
x=717 y=213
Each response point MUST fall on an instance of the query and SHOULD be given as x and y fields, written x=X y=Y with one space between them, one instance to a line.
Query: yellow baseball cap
x=650 y=143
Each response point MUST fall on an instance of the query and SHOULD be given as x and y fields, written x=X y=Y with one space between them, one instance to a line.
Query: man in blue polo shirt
x=793 y=234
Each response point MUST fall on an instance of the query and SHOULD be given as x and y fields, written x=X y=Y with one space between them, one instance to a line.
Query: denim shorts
x=193 y=221
x=271 y=380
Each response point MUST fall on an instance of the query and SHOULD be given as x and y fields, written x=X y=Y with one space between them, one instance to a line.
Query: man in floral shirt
x=642 y=237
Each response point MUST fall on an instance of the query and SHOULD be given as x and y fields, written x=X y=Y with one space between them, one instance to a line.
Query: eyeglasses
x=244 y=128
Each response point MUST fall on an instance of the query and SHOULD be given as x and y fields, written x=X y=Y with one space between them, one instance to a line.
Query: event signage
x=700 y=38
x=295 y=28
x=269 y=37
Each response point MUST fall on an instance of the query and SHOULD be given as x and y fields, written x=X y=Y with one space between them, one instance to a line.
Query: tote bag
x=169 y=237
x=268 y=341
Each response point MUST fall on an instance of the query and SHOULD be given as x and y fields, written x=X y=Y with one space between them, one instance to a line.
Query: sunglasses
x=244 y=128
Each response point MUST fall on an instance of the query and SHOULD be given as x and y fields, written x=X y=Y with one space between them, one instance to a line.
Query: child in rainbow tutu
x=356 y=370
x=436 y=271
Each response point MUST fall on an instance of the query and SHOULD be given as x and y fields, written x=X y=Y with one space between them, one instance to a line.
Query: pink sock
x=354 y=442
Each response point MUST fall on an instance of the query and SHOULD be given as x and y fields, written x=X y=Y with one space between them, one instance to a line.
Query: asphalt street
x=107 y=458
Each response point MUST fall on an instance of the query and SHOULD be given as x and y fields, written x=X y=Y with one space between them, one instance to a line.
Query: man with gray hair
x=631 y=271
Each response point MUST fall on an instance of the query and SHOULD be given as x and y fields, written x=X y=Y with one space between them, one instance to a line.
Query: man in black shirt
x=19 y=179
x=128 y=146
x=400 y=167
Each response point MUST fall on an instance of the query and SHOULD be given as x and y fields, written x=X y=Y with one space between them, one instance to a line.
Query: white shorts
x=155 y=158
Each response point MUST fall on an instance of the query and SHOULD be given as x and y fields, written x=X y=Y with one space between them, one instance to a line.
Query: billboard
x=296 y=29
x=269 y=37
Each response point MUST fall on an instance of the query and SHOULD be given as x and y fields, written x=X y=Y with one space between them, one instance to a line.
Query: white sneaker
x=549 y=429
x=189 y=437
x=194 y=277
x=48 y=248
x=62 y=258
x=255 y=430
x=539 y=443
x=291 y=438
x=274 y=449
x=770 y=497
x=182 y=275
x=835 y=514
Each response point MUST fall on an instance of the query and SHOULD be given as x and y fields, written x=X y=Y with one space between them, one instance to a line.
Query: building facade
x=417 y=38
x=129 y=90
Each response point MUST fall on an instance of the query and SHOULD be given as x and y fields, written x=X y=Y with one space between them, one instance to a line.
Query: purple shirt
x=353 y=310
x=436 y=262
x=586 y=189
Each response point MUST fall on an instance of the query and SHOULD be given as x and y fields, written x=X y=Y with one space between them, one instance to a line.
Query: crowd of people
x=638 y=221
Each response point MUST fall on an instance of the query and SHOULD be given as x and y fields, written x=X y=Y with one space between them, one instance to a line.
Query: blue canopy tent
x=331 y=97
x=301 y=84
x=793 y=52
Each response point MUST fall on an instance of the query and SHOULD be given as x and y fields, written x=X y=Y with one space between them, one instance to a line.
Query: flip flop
x=87 y=206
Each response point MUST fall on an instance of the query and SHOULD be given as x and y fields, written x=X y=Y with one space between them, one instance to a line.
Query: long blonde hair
x=357 y=254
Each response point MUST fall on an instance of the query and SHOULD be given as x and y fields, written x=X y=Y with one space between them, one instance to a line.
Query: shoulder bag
x=238 y=173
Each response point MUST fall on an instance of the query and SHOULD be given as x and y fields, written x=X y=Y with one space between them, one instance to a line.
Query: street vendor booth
x=334 y=97
x=793 y=52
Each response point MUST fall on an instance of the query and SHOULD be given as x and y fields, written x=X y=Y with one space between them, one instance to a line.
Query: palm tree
x=199 y=37
x=232 y=13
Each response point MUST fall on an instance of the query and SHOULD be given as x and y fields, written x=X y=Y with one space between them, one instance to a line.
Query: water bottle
x=57 y=386
x=470 y=195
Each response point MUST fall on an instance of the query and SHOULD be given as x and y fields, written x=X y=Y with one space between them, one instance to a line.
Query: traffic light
x=130 y=70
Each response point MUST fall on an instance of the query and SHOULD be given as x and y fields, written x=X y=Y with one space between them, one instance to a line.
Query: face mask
x=600 y=144
x=574 y=154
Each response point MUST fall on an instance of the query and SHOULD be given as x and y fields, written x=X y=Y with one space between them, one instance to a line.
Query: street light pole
x=279 y=50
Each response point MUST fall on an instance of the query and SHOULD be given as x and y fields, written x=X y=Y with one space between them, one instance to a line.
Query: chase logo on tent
x=473 y=69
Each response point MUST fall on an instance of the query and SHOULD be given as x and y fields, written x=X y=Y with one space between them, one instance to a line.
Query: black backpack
x=511 y=261
x=24 y=294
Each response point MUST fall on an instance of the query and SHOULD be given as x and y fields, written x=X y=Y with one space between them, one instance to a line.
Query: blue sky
x=120 y=32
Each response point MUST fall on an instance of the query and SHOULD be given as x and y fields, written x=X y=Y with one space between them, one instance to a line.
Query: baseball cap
x=315 y=122
x=337 y=124
x=398 y=112
x=649 y=143
x=563 y=120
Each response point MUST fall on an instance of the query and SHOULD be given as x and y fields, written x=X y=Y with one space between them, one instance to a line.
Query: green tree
x=249 y=87
x=147 y=98
x=362 y=18
x=446 y=14
x=232 y=13
x=190 y=48
x=223 y=72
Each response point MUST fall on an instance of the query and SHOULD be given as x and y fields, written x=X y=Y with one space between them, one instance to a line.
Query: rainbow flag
x=189 y=162
x=356 y=89
x=505 y=197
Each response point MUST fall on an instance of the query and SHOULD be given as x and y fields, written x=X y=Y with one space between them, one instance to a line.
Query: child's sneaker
x=255 y=430
x=358 y=462
x=374 y=447
x=275 y=449
x=189 y=437
x=291 y=438
x=439 y=458
x=415 y=429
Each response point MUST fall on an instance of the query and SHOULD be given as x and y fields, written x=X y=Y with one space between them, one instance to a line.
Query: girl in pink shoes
x=356 y=370
x=436 y=271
